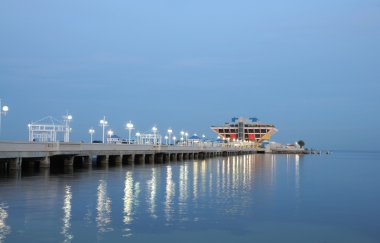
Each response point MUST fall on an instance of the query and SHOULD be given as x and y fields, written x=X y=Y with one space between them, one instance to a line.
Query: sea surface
x=247 y=198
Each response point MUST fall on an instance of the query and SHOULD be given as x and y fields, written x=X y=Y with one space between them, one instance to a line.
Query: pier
x=16 y=155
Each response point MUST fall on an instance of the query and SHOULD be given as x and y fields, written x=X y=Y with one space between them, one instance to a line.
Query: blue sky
x=309 y=67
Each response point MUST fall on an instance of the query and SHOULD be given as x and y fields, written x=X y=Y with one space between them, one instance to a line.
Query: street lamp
x=174 y=138
x=182 y=133
x=138 y=137
x=3 y=112
x=103 y=123
x=154 y=130
x=67 y=120
x=110 y=133
x=91 y=131
x=186 y=135
x=166 y=140
x=170 y=131
x=129 y=126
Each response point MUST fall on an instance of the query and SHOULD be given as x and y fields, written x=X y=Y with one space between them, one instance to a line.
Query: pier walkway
x=16 y=155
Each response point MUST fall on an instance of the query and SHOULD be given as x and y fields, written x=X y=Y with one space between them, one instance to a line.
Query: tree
x=301 y=143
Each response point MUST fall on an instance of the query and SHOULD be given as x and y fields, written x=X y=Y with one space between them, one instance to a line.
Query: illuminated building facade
x=243 y=129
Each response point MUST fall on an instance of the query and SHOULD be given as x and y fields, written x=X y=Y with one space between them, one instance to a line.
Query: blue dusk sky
x=310 y=67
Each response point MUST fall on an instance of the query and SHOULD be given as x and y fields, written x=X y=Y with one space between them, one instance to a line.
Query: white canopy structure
x=47 y=129
x=147 y=138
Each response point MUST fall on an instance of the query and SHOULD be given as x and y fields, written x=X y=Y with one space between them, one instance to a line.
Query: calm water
x=250 y=198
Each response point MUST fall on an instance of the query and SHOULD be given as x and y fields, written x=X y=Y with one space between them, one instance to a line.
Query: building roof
x=195 y=137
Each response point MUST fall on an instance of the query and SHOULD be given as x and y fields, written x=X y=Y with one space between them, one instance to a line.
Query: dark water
x=250 y=198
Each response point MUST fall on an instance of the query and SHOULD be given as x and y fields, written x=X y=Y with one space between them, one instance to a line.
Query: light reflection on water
x=169 y=193
x=128 y=202
x=235 y=195
x=297 y=174
x=152 y=193
x=183 y=192
x=4 y=228
x=67 y=215
x=103 y=208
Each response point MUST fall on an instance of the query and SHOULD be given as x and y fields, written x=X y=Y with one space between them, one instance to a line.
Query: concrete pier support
x=173 y=157
x=196 y=156
x=140 y=159
x=149 y=158
x=45 y=162
x=118 y=160
x=159 y=158
x=180 y=156
x=185 y=156
x=166 y=158
x=102 y=159
x=115 y=159
x=87 y=161
x=15 y=164
x=68 y=161
x=128 y=159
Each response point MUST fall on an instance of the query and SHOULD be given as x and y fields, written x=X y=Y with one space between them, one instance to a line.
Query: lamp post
x=67 y=120
x=182 y=133
x=110 y=133
x=174 y=138
x=170 y=131
x=186 y=135
x=91 y=131
x=154 y=130
x=203 y=139
x=138 y=137
x=103 y=123
x=3 y=112
x=129 y=126
x=166 y=140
